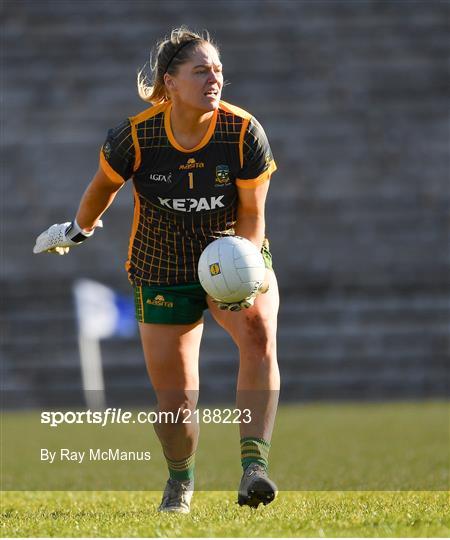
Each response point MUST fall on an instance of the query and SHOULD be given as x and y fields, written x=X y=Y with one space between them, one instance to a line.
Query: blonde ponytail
x=166 y=57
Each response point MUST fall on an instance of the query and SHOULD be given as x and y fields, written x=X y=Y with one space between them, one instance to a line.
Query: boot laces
x=176 y=491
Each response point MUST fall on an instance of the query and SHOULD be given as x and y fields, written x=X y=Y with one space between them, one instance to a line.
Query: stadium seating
x=353 y=98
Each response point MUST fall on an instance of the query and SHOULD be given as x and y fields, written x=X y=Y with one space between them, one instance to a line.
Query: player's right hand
x=60 y=237
x=243 y=304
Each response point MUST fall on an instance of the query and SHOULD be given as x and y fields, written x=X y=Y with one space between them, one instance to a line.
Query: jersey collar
x=201 y=144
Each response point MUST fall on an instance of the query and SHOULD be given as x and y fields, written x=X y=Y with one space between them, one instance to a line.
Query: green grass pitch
x=318 y=514
x=365 y=470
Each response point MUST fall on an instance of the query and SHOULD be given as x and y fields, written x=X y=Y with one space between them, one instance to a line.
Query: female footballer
x=201 y=169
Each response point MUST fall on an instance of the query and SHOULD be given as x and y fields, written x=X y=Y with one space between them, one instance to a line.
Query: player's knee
x=258 y=338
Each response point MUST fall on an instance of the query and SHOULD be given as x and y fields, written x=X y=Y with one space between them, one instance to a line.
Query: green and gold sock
x=183 y=469
x=254 y=450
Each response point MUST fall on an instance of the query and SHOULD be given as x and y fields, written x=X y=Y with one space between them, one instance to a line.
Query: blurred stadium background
x=353 y=97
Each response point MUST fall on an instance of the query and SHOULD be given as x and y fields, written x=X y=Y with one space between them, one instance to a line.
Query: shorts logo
x=214 y=269
x=222 y=175
x=191 y=164
x=160 y=301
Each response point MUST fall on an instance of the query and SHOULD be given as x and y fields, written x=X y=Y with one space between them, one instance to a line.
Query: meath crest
x=222 y=175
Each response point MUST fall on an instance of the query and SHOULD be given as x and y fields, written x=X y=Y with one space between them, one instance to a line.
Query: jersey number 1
x=191 y=180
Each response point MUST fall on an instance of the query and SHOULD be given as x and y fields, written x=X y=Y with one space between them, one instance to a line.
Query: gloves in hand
x=60 y=237
x=243 y=304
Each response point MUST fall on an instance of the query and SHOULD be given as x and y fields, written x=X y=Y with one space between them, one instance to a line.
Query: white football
x=231 y=269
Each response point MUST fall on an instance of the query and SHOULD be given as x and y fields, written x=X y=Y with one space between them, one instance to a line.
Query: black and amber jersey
x=184 y=199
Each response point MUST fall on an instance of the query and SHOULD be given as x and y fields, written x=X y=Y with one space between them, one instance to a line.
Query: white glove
x=60 y=237
x=243 y=304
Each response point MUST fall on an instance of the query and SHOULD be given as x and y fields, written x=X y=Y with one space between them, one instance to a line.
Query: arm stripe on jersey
x=263 y=177
x=136 y=214
x=137 y=148
x=109 y=171
x=241 y=141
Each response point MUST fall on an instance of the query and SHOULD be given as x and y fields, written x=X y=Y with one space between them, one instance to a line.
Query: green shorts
x=176 y=304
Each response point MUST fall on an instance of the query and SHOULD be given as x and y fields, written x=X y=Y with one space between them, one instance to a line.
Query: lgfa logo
x=191 y=164
x=161 y=178
x=160 y=301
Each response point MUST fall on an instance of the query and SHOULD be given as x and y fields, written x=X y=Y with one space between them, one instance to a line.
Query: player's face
x=199 y=81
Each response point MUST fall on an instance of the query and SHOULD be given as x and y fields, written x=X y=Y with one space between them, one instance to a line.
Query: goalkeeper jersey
x=183 y=199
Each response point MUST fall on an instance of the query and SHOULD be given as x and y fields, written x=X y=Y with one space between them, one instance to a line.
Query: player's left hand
x=243 y=304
